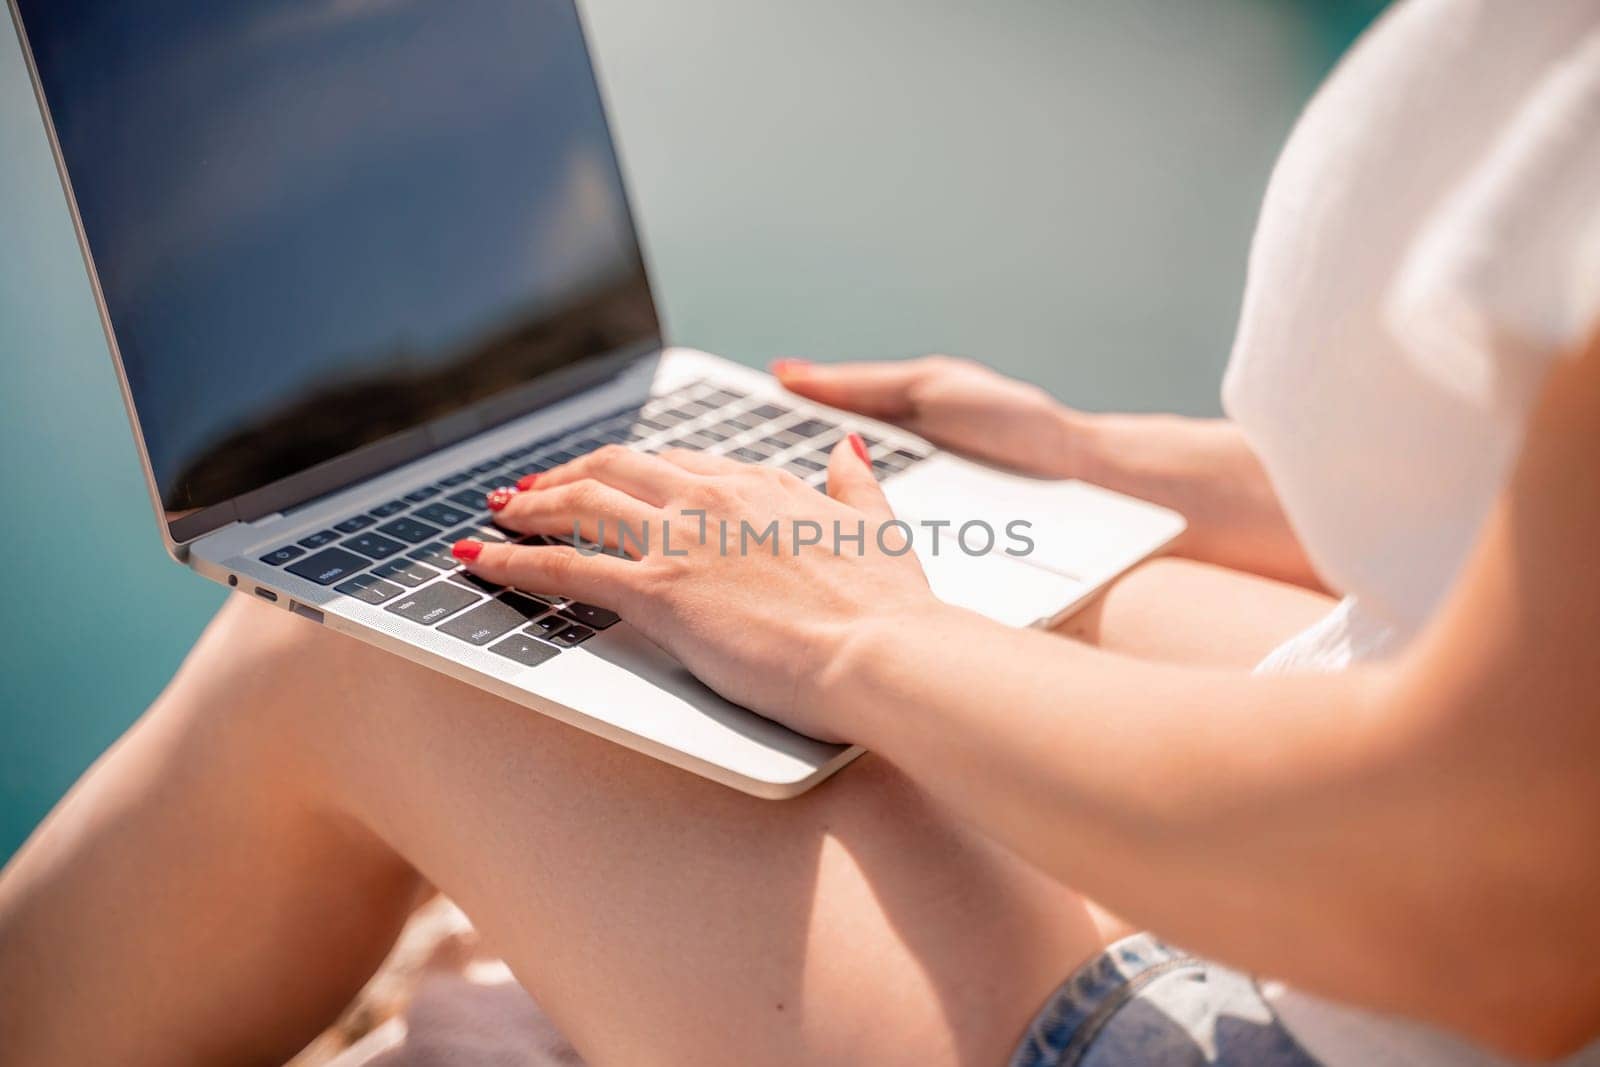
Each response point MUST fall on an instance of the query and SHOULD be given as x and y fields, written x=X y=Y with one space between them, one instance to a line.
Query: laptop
x=362 y=261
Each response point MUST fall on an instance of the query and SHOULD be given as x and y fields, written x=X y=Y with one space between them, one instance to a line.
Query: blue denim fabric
x=1142 y=1004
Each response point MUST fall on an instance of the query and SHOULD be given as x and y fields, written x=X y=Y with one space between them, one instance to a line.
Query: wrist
x=1078 y=440
x=865 y=679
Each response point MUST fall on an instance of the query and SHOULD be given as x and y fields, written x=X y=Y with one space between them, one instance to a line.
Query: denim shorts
x=1141 y=1003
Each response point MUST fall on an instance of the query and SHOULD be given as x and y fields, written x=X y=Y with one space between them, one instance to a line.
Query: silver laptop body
x=326 y=470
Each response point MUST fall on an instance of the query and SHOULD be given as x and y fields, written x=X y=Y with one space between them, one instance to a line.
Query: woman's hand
x=1203 y=468
x=758 y=618
x=955 y=403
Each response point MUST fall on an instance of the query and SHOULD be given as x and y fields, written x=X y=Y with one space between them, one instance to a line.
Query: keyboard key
x=572 y=636
x=499 y=481
x=393 y=507
x=328 y=566
x=804 y=465
x=750 y=454
x=712 y=434
x=486 y=466
x=374 y=546
x=471 y=498
x=317 y=540
x=410 y=530
x=548 y=626
x=458 y=478
x=442 y=515
x=283 y=555
x=809 y=427
x=724 y=396
x=525 y=650
x=477 y=532
x=427 y=492
x=350 y=526
x=530 y=605
x=589 y=615
x=484 y=623
x=434 y=604
x=406 y=572
x=372 y=590
x=435 y=555
x=769 y=411
x=468 y=580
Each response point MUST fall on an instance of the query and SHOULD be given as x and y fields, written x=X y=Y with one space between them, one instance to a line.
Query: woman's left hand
x=759 y=621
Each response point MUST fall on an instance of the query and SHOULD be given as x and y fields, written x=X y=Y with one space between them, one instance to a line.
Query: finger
x=878 y=390
x=851 y=479
x=700 y=462
x=600 y=513
x=639 y=474
x=553 y=570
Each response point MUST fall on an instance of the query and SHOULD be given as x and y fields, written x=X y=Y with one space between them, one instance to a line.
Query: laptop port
x=266 y=594
x=305 y=612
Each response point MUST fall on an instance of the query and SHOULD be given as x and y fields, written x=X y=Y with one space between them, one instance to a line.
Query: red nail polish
x=499 y=498
x=861 y=448
x=467 y=551
x=528 y=482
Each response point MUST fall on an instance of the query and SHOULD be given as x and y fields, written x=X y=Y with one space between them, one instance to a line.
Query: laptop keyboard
x=398 y=553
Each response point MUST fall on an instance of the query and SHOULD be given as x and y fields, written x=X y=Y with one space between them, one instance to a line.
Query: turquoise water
x=1063 y=189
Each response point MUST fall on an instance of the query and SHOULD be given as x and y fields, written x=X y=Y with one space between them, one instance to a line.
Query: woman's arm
x=1202 y=468
x=1420 y=837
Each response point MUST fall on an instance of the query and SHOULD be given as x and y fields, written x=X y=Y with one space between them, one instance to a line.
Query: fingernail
x=499 y=498
x=528 y=481
x=467 y=551
x=860 y=446
x=788 y=368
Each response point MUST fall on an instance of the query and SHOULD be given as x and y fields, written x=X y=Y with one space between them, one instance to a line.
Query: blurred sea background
x=1062 y=188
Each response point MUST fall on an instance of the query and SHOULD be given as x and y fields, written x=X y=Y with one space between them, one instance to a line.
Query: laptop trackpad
x=1077 y=530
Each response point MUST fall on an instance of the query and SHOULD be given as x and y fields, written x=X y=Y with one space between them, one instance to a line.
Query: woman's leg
x=216 y=888
x=230 y=873
x=187 y=902
x=1172 y=610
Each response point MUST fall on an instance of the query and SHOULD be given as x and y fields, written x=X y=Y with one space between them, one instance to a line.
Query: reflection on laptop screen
x=320 y=222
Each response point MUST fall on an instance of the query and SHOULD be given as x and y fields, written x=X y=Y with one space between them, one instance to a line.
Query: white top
x=1430 y=242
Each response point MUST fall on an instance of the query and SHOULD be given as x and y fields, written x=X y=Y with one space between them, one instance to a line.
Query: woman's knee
x=1176 y=610
x=256 y=690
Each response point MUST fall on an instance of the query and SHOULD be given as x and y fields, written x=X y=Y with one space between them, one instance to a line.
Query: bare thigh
x=1172 y=610
x=660 y=918
x=219 y=884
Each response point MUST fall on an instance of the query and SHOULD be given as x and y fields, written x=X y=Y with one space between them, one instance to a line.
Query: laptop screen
x=319 y=224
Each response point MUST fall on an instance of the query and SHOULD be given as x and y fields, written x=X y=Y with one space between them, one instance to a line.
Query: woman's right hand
x=955 y=403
